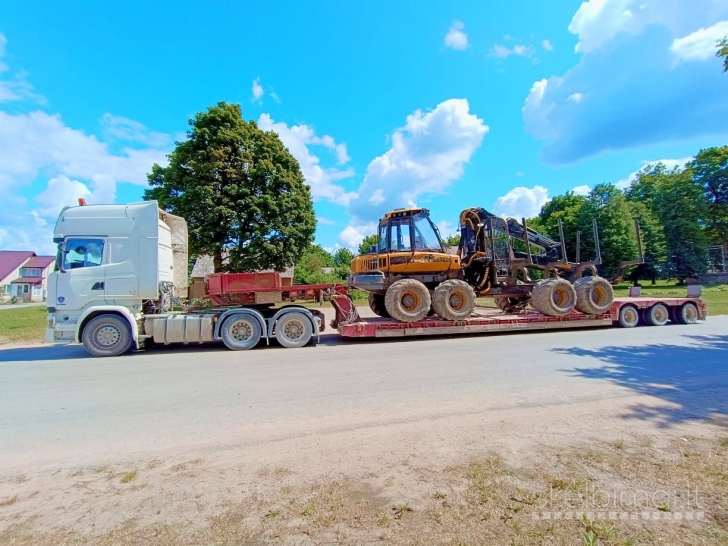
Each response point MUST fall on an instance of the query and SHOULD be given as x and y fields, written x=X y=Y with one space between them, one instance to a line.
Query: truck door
x=80 y=279
x=121 y=280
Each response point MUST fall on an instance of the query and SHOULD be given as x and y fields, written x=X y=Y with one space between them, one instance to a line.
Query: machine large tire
x=554 y=297
x=408 y=300
x=376 y=304
x=594 y=295
x=453 y=300
x=107 y=335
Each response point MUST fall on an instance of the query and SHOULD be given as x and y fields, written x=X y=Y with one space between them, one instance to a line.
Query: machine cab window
x=85 y=252
x=426 y=236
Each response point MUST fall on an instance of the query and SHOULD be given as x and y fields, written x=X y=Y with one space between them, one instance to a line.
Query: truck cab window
x=82 y=253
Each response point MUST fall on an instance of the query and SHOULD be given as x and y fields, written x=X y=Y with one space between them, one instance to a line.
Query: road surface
x=60 y=406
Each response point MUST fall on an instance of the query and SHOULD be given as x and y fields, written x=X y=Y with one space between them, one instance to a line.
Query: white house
x=24 y=275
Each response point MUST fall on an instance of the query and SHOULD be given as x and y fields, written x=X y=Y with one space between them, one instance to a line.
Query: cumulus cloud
x=299 y=139
x=521 y=202
x=128 y=130
x=520 y=50
x=546 y=44
x=636 y=91
x=582 y=190
x=257 y=90
x=14 y=85
x=456 y=37
x=427 y=155
x=325 y=221
x=352 y=236
x=625 y=183
x=701 y=44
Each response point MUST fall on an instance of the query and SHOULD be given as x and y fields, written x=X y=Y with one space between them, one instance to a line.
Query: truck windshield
x=425 y=236
x=82 y=253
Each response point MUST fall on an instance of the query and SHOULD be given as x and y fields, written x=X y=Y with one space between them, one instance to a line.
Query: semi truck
x=122 y=280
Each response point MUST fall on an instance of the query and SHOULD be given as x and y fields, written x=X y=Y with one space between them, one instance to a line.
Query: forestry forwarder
x=410 y=275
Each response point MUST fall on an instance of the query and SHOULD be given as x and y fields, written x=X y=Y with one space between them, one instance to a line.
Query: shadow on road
x=694 y=379
x=46 y=352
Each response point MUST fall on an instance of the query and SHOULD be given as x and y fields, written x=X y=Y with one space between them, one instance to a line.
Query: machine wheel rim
x=108 y=335
x=294 y=329
x=598 y=295
x=559 y=297
x=456 y=300
x=410 y=301
x=241 y=330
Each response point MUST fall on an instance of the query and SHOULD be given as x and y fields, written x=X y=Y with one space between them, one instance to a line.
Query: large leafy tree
x=315 y=266
x=723 y=52
x=342 y=262
x=240 y=190
x=368 y=242
x=710 y=171
x=567 y=208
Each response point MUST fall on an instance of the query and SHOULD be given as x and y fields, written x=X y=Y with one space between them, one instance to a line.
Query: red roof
x=28 y=280
x=40 y=262
x=10 y=260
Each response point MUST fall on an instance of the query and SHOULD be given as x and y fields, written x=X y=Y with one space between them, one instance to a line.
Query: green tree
x=710 y=171
x=567 y=208
x=342 y=262
x=452 y=240
x=368 y=242
x=680 y=202
x=654 y=245
x=723 y=52
x=310 y=268
x=240 y=190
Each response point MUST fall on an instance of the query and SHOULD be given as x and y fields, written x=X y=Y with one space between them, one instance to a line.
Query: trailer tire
x=240 y=332
x=628 y=317
x=554 y=297
x=686 y=313
x=594 y=295
x=408 y=300
x=657 y=315
x=453 y=300
x=293 y=330
x=107 y=335
x=376 y=304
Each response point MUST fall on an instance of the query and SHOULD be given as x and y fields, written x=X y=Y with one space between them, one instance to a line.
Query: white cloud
x=26 y=231
x=625 y=183
x=576 y=98
x=298 y=139
x=701 y=44
x=274 y=96
x=447 y=229
x=582 y=190
x=546 y=44
x=352 y=236
x=521 y=202
x=325 y=221
x=521 y=50
x=15 y=86
x=37 y=142
x=128 y=130
x=61 y=192
x=257 y=90
x=456 y=37
x=427 y=155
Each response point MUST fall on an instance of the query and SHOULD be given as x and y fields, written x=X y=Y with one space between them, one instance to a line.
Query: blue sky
x=441 y=104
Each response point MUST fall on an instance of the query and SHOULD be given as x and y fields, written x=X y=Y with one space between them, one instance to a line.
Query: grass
x=488 y=502
x=23 y=324
x=128 y=476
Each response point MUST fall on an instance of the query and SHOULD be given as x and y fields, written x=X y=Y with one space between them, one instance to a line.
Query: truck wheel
x=293 y=330
x=687 y=314
x=107 y=335
x=453 y=300
x=628 y=317
x=376 y=304
x=554 y=297
x=594 y=295
x=408 y=300
x=657 y=315
x=240 y=332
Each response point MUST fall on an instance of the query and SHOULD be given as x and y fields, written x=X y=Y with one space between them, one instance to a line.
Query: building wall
x=7 y=291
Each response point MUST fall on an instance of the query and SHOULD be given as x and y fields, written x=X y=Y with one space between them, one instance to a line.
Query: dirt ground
x=576 y=474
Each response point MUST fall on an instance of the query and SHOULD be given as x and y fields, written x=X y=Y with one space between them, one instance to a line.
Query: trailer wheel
x=408 y=300
x=240 y=332
x=629 y=316
x=686 y=314
x=657 y=315
x=453 y=300
x=554 y=297
x=293 y=330
x=376 y=304
x=594 y=295
x=107 y=335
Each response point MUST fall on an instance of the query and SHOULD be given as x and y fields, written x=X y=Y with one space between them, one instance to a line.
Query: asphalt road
x=58 y=404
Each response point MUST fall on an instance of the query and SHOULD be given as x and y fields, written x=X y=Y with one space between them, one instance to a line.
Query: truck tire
x=107 y=335
x=376 y=304
x=407 y=300
x=294 y=330
x=554 y=297
x=686 y=314
x=628 y=317
x=240 y=332
x=453 y=300
x=594 y=295
x=657 y=315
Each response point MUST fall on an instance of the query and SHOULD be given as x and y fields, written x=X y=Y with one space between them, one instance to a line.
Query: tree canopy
x=240 y=190
x=723 y=52
x=368 y=242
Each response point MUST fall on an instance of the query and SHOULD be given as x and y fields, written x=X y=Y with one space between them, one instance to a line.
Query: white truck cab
x=111 y=259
